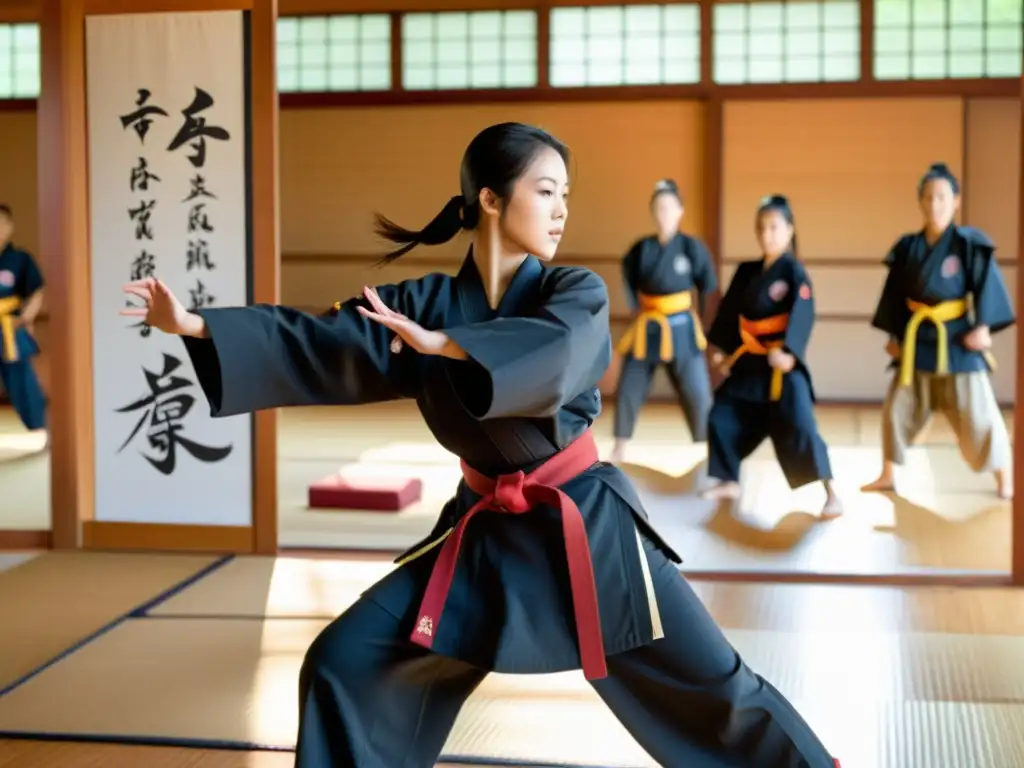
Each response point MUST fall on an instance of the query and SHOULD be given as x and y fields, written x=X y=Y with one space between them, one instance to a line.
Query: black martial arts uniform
x=933 y=296
x=20 y=278
x=371 y=693
x=765 y=309
x=659 y=280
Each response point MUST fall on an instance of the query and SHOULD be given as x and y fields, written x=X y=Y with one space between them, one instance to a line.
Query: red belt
x=516 y=494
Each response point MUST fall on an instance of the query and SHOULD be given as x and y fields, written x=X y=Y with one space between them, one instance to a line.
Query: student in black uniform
x=21 y=298
x=503 y=360
x=761 y=332
x=942 y=300
x=660 y=273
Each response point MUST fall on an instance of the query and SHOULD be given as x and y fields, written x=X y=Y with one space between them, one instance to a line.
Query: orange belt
x=749 y=332
x=517 y=494
x=8 y=306
x=656 y=309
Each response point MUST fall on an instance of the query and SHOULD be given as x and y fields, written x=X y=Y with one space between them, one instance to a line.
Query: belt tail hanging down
x=519 y=493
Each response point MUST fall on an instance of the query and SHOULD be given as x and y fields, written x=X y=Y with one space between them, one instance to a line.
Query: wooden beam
x=64 y=253
x=266 y=271
x=1017 y=524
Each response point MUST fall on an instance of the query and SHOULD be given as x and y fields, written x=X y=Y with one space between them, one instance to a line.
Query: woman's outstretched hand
x=408 y=331
x=162 y=310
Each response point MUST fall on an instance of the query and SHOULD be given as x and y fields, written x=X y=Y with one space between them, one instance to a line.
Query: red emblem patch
x=950 y=266
x=777 y=291
x=6 y=278
x=805 y=291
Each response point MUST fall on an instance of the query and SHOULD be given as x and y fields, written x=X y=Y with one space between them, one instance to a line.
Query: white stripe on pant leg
x=652 y=598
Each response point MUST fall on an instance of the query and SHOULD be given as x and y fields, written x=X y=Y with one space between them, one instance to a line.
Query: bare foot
x=880 y=485
x=1004 y=484
x=833 y=508
x=727 y=490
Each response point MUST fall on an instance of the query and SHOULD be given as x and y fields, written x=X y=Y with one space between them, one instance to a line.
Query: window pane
x=568 y=74
x=774 y=42
x=966 y=12
x=966 y=64
x=334 y=53
x=1004 y=12
x=999 y=64
x=948 y=38
x=19 y=61
x=287 y=30
x=928 y=66
x=479 y=49
x=730 y=70
x=617 y=45
x=679 y=71
x=892 y=67
x=804 y=69
x=892 y=13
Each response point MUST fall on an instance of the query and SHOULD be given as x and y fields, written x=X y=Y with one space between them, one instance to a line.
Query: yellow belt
x=8 y=306
x=749 y=332
x=656 y=309
x=938 y=315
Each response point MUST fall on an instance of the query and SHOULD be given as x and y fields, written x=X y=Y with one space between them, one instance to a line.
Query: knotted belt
x=656 y=309
x=517 y=494
x=8 y=306
x=750 y=330
x=938 y=315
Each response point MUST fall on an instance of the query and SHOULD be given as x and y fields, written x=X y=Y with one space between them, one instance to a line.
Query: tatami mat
x=878 y=700
x=57 y=599
x=321 y=588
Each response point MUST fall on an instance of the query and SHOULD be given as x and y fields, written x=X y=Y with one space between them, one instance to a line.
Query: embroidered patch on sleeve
x=805 y=291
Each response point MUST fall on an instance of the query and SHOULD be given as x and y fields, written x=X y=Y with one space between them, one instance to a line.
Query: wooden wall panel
x=991 y=186
x=849 y=167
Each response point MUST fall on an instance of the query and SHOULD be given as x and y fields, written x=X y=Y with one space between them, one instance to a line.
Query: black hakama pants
x=369 y=698
x=690 y=380
x=21 y=383
x=737 y=426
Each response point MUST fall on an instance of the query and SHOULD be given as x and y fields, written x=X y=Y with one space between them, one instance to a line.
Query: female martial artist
x=942 y=300
x=559 y=567
x=660 y=273
x=760 y=335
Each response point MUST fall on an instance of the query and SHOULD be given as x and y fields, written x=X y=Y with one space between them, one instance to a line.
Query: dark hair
x=779 y=203
x=666 y=187
x=494 y=159
x=5 y=210
x=938 y=171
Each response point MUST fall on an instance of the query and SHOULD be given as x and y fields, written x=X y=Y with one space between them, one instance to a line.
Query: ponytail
x=442 y=228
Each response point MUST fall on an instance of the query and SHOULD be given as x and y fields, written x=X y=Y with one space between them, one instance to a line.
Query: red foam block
x=380 y=494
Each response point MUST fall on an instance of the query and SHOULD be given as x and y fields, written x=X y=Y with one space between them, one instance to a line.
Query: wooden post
x=1017 y=522
x=65 y=254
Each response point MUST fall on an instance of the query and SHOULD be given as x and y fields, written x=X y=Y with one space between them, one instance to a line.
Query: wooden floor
x=945 y=519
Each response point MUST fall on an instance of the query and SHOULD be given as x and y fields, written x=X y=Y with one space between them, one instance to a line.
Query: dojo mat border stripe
x=143 y=612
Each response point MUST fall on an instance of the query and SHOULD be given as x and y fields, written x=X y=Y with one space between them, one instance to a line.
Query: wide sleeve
x=268 y=356
x=630 y=277
x=801 y=316
x=992 y=306
x=891 y=313
x=30 y=279
x=704 y=277
x=531 y=366
x=724 y=333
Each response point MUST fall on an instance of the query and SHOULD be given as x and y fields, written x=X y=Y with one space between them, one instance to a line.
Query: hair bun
x=939 y=168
